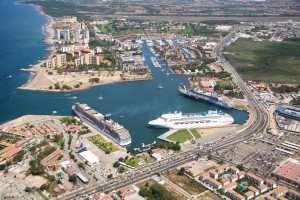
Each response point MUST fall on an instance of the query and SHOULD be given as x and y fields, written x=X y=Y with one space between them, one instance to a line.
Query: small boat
x=168 y=73
x=100 y=97
x=9 y=76
x=74 y=97
x=160 y=86
x=54 y=112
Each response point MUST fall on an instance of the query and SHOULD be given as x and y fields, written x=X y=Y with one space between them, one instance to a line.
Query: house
x=235 y=195
x=279 y=192
x=241 y=174
x=213 y=183
x=126 y=191
x=254 y=190
x=233 y=178
x=203 y=176
x=156 y=156
x=262 y=188
x=294 y=194
x=269 y=198
x=229 y=186
x=222 y=168
x=234 y=170
x=51 y=157
x=270 y=183
x=213 y=174
x=249 y=195
x=257 y=180
x=225 y=181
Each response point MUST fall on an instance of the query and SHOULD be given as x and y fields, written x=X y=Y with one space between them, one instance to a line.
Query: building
x=157 y=180
x=254 y=190
x=213 y=174
x=204 y=176
x=229 y=186
x=52 y=157
x=156 y=156
x=56 y=61
x=289 y=112
x=235 y=195
x=86 y=34
x=57 y=34
x=233 y=178
x=234 y=170
x=279 y=192
x=9 y=152
x=241 y=174
x=213 y=183
x=257 y=180
x=222 y=168
x=294 y=194
x=262 y=188
x=89 y=157
x=67 y=35
x=249 y=195
x=289 y=170
x=26 y=143
x=225 y=181
x=270 y=183
x=68 y=19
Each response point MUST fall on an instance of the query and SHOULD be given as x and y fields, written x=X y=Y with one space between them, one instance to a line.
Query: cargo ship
x=192 y=120
x=103 y=123
x=199 y=95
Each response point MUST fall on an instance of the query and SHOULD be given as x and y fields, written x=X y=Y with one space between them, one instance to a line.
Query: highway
x=259 y=125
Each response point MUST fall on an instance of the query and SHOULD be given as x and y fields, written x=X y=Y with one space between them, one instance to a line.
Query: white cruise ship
x=192 y=120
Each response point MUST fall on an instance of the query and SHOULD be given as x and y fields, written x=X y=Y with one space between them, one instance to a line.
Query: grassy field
x=189 y=185
x=102 y=144
x=183 y=135
x=266 y=61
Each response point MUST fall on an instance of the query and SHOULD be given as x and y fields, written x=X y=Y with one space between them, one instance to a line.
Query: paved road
x=259 y=125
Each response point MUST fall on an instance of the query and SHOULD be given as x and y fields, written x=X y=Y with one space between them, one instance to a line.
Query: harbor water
x=132 y=104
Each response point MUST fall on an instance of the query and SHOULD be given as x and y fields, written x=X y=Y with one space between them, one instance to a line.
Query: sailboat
x=160 y=86
x=100 y=97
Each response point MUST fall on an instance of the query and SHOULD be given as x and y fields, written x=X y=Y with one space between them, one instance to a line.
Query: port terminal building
x=289 y=112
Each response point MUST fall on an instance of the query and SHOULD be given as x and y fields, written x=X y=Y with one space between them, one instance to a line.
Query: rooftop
x=289 y=169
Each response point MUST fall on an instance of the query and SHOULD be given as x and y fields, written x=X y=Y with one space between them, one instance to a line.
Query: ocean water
x=132 y=104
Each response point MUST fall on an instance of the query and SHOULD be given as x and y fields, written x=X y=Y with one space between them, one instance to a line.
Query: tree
x=209 y=157
x=28 y=189
x=72 y=179
x=240 y=167
x=2 y=167
x=81 y=165
x=109 y=176
x=181 y=171
x=116 y=164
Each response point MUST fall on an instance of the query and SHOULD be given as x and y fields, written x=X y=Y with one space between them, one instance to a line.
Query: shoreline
x=40 y=80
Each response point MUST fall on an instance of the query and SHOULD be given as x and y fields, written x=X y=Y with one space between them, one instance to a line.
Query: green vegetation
x=27 y=189
x=122 y=170
x=35 y=164
x=59 y=140
x=156 y=192
x=223 y=85
x=107 y=147
x=72 y=179
x=118 y=30
x=286 y=89
x=166 y=145
x=182 y=136
x=266 y=61
x=6 y=138
x=94 y=80
x=19 y=157
x=68 y=120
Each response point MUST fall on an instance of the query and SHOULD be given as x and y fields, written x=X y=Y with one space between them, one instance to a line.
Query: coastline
x=40 y=80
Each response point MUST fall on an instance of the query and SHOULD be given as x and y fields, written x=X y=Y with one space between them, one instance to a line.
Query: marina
x=123 y=100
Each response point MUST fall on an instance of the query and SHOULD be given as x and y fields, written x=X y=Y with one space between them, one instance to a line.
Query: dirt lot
x=189 y=185
x=208 y=196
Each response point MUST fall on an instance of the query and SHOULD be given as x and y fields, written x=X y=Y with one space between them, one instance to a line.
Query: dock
x=166 y=134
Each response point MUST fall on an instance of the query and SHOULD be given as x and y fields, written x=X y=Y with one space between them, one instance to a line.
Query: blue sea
x=132 y=104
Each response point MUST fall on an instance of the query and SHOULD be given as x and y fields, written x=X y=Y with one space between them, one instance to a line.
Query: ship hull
x=207 y=101
x=100 y=129
x=187 y=125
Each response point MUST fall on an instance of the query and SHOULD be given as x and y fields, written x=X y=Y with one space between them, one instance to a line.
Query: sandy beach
x=42 y=79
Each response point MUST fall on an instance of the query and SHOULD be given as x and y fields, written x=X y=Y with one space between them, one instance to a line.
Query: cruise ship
x=103 y=124
x=199 y=95
x=192 y=120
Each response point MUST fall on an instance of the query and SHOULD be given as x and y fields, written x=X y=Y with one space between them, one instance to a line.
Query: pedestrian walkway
x=166 y=134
